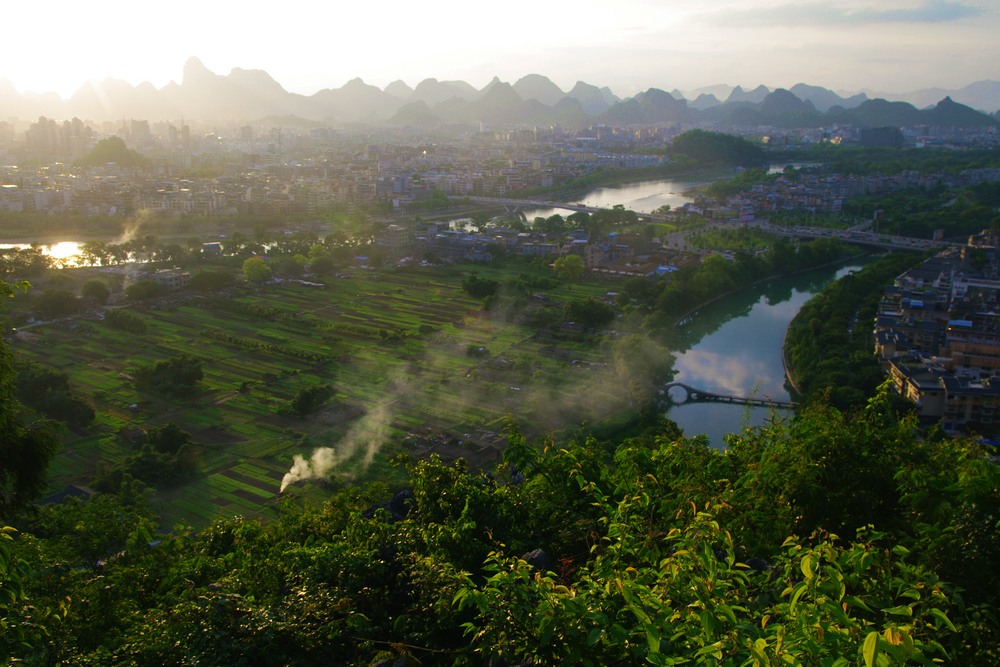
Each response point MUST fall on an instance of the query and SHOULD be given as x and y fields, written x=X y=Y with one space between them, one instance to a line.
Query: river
x=734 y=347
x=641 y=197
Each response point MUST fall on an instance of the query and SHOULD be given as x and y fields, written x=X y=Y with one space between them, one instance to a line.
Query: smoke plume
x=359 y=446
x=319 y=465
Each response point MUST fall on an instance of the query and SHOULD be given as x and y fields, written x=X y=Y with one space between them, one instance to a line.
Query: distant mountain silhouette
x=593 y=100
x=433 y=91
x=705 y=101
x=982 y=95
x=755 y=96
x=399 y=89
x=824 y=99
x=651 y=106
x=948 y=113
x=251 y=95
x=538 y=87
x=881 y=113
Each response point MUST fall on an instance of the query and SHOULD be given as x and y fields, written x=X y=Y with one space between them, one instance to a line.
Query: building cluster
x=267 y=170
x=915 y=136
x=827 y=193
x=937 y=335
x=620 y=254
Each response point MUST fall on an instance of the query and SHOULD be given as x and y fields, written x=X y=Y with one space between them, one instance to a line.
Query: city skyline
x=629 y=46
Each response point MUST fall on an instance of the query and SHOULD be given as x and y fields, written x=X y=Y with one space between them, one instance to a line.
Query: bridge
x=694 y=395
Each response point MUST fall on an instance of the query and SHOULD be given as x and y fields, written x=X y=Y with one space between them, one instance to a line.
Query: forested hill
x=830 y=540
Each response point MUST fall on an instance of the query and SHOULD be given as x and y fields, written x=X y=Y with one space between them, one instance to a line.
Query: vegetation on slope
x=828 y=540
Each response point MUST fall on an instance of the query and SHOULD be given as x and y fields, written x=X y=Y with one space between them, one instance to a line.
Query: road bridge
x=695 y=395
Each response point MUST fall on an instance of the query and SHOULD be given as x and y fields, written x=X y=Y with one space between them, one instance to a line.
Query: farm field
x=394 y=345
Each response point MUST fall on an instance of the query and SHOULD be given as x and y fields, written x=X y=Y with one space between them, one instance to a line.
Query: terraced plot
x=394 y=345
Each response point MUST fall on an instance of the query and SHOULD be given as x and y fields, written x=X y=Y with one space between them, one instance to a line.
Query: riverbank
x=757 y=283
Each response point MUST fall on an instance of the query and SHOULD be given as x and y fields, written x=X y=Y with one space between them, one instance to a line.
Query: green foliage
x=590 y=312
x=176 y=376
x=144 y=290
x=23 y=262
x=309 y=399
x=660 y=550
x=168 y=438
x=690 y=287
x=211 y=281
x=56 y=303
x=702 y=148
x=96 y=290
x=26 y=448
x=569 y=267
x=479 y=288
x=125 y=320
x=24 y=627
x=113 y=149
x=829 y=354
x=256 y=270
x=47 y=390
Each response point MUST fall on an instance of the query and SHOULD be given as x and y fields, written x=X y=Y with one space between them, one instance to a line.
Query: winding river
x=733 y=346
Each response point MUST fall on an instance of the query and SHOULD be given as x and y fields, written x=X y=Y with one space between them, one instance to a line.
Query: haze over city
x=628 y=45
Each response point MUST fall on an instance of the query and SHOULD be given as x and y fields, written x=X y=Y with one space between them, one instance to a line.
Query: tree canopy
x=716 y=149
x=833 y=539
x=112 y=149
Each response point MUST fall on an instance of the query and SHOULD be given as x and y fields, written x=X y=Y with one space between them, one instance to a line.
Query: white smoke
x=319 y=465
x=133 y=226
x=362 y=441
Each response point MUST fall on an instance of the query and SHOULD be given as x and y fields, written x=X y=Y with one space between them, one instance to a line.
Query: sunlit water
x=642 y=197
x=63 y=252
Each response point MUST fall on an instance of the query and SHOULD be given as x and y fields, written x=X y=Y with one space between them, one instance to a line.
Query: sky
x=890 y=46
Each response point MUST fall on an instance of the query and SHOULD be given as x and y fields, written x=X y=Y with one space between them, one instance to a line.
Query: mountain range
x=252 y=95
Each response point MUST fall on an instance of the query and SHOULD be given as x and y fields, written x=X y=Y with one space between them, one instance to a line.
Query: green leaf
x=855 y=601
x=870 y=649
x=799 y=590
x=937 y=613
x=652 y=637
x=807 y=567
x=901 y=610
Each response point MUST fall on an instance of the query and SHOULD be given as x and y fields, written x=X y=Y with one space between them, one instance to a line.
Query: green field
x=393 y=344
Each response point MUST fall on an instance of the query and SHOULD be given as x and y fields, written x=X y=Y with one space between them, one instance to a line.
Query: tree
x=590 y=312
x=144 y=290
x=57 y=303
x=23 y=626
x=569 y=267
x=112 y=149
x=309 y=399
x=175 y=376
x=479 y=288
x=97 y=290
x=211 y=281
x=25 y=448
x=256 y=270
x=169 y=438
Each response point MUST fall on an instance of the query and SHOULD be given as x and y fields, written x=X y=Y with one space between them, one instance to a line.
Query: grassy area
x=394 y=344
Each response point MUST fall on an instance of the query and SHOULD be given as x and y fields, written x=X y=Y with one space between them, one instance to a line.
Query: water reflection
x=642 y=197
x=734 y=347
x=63 y=253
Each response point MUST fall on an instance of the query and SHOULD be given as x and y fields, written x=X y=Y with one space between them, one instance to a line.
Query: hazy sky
x=629 y=45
